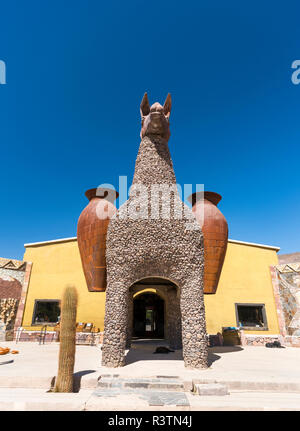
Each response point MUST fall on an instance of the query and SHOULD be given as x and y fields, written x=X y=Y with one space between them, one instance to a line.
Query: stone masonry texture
x=170 y=248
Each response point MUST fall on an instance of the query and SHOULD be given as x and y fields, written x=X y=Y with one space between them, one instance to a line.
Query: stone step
x=156 y=390
x=215 y=389
x=161 y=383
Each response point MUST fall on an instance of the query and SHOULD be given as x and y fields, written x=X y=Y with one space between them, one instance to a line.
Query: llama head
x=155 y=118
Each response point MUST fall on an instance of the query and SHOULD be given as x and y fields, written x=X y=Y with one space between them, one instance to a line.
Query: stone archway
x=169 y=293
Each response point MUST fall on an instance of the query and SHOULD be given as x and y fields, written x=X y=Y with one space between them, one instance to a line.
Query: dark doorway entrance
x=148 y=316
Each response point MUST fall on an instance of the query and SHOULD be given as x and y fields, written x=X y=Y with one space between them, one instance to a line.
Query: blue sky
x=69 y=113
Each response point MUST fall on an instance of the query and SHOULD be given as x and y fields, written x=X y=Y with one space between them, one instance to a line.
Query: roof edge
x=74 y=238
x=53 y=241
x=254 y=244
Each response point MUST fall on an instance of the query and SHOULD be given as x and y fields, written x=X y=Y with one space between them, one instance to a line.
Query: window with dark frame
x=46 y=311
x=251 y=316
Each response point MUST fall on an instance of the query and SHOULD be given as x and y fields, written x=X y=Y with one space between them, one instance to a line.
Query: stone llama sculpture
x=141 y=245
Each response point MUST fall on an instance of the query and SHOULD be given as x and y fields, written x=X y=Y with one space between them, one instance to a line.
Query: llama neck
x=154 y=164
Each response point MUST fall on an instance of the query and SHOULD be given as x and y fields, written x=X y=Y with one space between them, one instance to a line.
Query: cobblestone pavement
x=39 y=400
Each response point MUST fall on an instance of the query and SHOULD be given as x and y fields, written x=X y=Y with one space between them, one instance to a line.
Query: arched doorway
x=148 y=316
x=154 y=311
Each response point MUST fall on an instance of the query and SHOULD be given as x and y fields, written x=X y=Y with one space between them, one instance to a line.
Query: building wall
x=12 y=276
x=245 y=279
x=288 y=283
x=55 y=266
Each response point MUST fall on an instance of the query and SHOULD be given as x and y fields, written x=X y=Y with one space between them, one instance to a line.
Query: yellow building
x=244 y=296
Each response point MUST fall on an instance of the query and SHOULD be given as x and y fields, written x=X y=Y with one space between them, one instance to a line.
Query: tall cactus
x=64 y=380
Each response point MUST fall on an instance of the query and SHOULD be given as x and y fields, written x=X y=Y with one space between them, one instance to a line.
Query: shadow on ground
x=143 y=350
x=212 y=357
x=77 y=378
x=6 y=362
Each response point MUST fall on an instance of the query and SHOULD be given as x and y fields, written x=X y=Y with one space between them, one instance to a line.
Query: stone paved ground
x=38 y=399
x=253 y=364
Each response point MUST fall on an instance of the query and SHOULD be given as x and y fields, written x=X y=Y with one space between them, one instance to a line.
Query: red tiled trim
x=19 y=316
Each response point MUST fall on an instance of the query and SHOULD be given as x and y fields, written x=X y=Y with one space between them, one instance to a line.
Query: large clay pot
x=91 y=236
x=215 y=232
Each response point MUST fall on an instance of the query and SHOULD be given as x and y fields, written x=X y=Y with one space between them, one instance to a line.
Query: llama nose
x=155 y=116
x=156 y=107
x=156 y=119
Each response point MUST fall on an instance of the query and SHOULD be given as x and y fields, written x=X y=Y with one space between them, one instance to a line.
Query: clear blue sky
x=69 y=113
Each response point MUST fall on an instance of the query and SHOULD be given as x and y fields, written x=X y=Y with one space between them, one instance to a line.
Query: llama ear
x=168 y=105
x=145 y=107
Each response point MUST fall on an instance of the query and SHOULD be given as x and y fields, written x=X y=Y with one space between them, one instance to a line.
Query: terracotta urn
x=91 y=236
x=215 y=231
